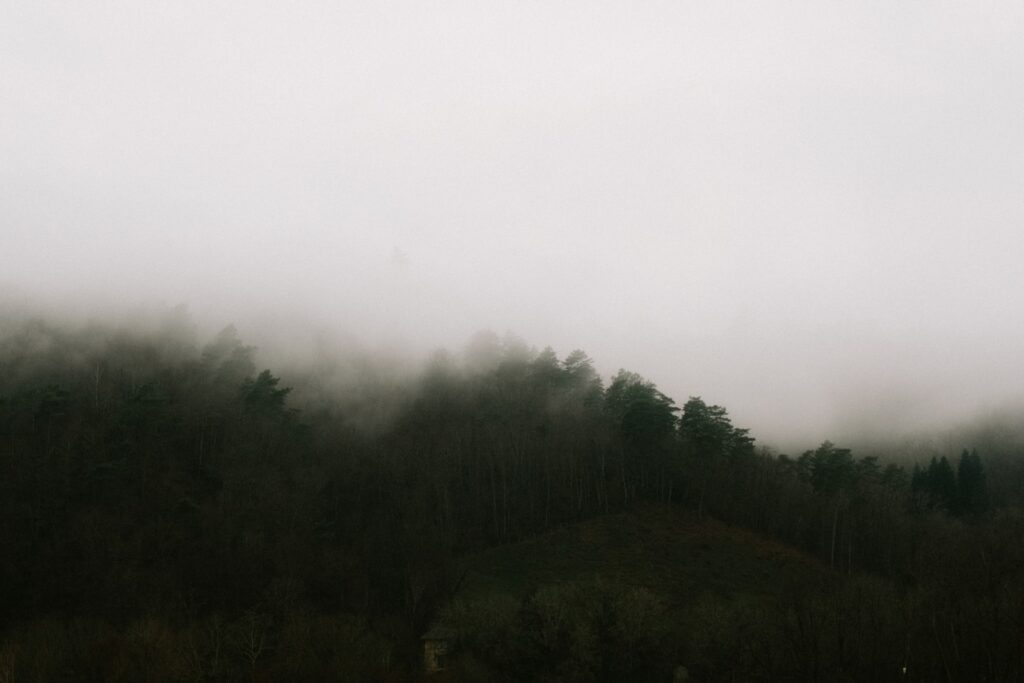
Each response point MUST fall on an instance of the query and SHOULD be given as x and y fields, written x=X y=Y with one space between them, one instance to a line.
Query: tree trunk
x=835 y=523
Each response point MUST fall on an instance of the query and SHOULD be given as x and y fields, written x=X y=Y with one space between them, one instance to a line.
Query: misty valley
x=172 y=510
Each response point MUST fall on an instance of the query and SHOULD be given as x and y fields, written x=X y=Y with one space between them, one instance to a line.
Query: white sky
x=810 y=212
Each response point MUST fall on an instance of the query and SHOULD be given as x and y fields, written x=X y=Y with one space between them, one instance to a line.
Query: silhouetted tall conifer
x=972 y=489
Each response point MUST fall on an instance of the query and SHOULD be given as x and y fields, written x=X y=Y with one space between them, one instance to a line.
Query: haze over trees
x=171 y=510
x=764 y=422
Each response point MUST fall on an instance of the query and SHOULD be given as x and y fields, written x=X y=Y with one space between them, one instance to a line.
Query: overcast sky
x=812 y=213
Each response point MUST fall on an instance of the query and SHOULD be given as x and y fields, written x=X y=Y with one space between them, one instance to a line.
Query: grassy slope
x=664 y=549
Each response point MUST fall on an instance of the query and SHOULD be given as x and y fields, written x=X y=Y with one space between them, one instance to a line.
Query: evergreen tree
x=831 y=469
x=644 y=415
x=705 y=430
x=972 y=489
x=583 y=378
x=261 y=395
x=708 y=437
x=940 y=483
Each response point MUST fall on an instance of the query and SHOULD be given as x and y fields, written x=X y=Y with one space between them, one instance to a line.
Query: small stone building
x=436 y=646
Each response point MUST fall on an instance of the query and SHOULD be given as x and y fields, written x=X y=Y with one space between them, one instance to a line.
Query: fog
x=807 y=212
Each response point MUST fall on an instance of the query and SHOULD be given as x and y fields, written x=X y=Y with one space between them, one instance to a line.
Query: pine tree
x=940 y=483
x=972 y=490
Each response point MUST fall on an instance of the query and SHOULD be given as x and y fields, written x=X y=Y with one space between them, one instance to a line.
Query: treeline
x=167 y=512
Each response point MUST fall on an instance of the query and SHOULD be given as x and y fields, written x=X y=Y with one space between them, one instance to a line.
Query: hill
x=170 y=511
x=662 y=548
x=645 y=594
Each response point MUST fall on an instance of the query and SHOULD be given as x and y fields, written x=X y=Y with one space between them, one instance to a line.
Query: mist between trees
x=171 y=510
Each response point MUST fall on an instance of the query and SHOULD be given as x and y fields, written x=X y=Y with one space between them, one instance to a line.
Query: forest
x=170 y=509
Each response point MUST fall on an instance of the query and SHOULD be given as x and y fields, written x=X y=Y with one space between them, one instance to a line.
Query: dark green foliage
x=941 y=483
x=710 y=446
x=644 y=415
x=972 y=488
x=162 y=502
x=963 y=493
x=708 y=433
x=830 y=469
x=261 y=395
x=585 y=631
x=705 y=429
x=226 y=360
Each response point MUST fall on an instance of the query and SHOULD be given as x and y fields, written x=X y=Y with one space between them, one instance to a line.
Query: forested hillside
x=171 y=510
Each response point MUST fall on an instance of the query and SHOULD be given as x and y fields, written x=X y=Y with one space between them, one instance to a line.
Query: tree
x=831 y=469
x=546 y=370
x=705 y=429
x=972 y=489
x=644 y=414
x=645 y=422
x=831 y=472
x=940 y=484
x=262 y=396
x=708 y=437
x=583 y=378
x=227 y=359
